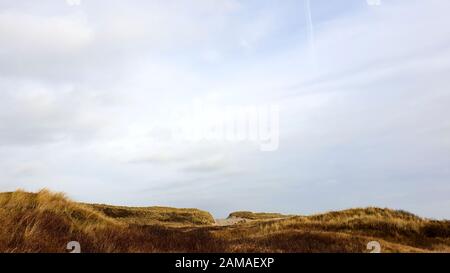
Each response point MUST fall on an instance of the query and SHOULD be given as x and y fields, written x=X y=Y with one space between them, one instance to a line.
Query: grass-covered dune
x=156 y=215
x=46 y=222
x=256 y=215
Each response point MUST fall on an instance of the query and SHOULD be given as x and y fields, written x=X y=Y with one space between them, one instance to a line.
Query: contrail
x=310 y=27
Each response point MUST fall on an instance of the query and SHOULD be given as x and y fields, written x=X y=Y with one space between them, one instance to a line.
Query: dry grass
x=156 y=215
x=46 y=222
x=256 y=215
x=348 y=231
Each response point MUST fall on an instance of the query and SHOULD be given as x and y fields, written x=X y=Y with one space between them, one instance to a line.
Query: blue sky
x=88 y=94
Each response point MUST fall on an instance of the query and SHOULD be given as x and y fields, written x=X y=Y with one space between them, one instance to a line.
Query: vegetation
x=156 y=215
x=46 y=222
x=256 y=216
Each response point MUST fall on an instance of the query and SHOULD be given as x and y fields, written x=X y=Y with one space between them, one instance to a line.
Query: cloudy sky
x=89 y=92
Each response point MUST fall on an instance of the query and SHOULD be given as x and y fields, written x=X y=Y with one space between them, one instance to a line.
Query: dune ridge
x=45 y=222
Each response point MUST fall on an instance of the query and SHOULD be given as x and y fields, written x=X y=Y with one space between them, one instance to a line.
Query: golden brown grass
x=156 y=215
x=256 y=215
x=348 y=231
x=46 y=222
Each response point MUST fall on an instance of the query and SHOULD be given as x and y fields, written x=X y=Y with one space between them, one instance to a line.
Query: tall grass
x=256 y=215
x=46 y=222
x=156 y=215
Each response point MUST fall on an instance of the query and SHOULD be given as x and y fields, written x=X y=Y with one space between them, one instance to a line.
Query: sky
x=91 y=91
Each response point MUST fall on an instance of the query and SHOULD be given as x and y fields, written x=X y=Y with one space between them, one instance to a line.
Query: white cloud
x=38 y=36
x=86 y=92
